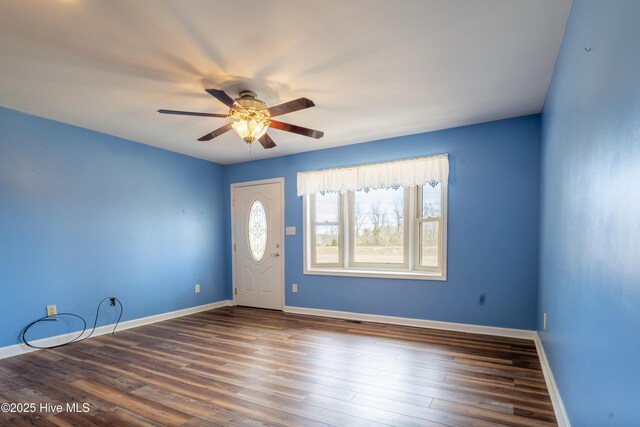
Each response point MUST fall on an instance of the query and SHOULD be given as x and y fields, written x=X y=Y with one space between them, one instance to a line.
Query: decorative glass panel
x=429 y=244
x=378 y=226
x=257 y=230
x=431 y=200
x=327 y=244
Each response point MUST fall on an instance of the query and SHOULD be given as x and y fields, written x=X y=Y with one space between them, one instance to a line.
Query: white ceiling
x=374 y=68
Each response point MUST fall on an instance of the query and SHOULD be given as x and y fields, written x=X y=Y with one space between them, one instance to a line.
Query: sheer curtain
x=399 y=173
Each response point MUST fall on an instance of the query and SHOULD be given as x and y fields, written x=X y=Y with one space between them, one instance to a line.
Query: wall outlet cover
x=294 y=288
x=197 y=288
x=290 y=231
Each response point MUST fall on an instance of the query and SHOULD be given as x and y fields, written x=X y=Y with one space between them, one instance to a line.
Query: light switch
x=51 y=310
x=290 y=231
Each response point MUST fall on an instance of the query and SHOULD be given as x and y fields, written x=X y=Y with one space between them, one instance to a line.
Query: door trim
x=279 y=181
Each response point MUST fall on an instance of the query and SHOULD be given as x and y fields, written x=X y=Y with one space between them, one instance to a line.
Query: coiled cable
x=84 y=327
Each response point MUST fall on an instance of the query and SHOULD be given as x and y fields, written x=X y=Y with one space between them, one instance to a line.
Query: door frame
x=280 y=181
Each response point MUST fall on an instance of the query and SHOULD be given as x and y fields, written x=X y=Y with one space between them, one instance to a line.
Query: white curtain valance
x=400 y=173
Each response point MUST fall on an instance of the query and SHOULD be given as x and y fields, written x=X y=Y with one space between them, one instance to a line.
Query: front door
x=258 y=240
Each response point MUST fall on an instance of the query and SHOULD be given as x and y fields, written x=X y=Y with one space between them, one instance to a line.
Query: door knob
x=275 y=254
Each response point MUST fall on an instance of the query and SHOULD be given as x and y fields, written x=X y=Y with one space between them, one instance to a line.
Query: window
x=377 y=234
x=387 y=232
x=326 y=233
x=429 y=227
x=372 y=219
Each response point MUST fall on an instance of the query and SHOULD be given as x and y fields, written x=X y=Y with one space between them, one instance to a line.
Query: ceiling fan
x=250 y=117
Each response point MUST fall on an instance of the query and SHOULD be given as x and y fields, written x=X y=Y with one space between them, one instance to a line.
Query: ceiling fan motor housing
x=249 y=99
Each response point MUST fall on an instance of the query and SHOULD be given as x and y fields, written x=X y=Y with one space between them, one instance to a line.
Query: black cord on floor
x=113 y=300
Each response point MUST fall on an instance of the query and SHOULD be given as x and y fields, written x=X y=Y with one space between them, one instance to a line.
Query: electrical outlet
x=51 y=310
x=197 y=288
x=544 y=321
x=294 y=288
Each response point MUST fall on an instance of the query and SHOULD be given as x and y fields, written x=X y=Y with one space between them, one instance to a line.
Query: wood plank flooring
x=239 y=366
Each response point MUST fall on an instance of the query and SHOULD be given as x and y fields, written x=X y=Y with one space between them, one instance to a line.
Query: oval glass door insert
x=257 y=230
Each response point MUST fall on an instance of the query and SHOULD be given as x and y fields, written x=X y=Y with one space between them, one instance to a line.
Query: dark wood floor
x=242 y=366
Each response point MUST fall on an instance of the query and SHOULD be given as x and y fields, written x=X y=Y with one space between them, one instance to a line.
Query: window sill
x=410 y=275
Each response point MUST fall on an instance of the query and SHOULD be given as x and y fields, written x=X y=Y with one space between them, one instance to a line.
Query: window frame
x=442 y=234
x=406 y=252
x=411 y=269
x=313 y=224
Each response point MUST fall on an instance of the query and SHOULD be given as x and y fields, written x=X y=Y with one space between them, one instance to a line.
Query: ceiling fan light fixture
x=250 y=130
x=252 y=121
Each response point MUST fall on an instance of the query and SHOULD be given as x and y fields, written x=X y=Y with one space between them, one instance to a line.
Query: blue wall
x=590 y=232
x=493 y=227
x=85 y=215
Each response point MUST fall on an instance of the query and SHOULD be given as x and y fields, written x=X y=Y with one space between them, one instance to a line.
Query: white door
x=258 y=241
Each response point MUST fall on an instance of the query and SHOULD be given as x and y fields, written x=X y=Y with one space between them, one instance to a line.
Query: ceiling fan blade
x=221 y=96
x=291 y=106
x=266 y=141
x=217 y=132
x=190 y=113
x=296 y=129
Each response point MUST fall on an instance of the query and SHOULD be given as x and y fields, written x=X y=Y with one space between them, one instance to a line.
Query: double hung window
x=386 y=231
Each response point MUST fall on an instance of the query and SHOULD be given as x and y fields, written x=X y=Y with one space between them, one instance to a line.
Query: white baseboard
x=419 y=323
x=17 y=349
x=558 y=407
